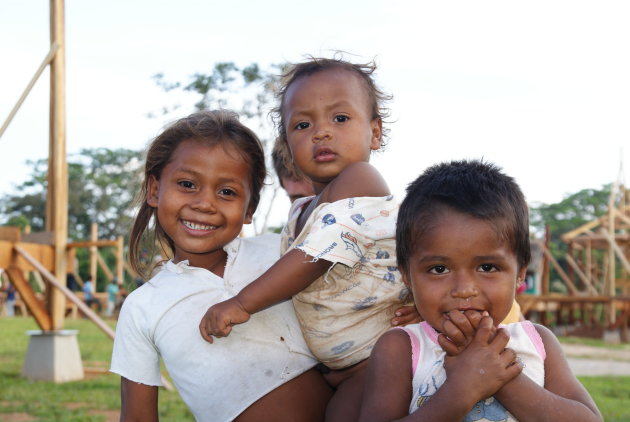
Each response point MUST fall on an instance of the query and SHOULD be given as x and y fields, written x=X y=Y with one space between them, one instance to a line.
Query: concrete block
x=53 y=356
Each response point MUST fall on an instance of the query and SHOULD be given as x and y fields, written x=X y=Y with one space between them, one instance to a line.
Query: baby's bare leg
x=345 y=404
x=304 y=398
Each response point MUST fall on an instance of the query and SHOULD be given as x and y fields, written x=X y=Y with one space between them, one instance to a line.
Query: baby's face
x=462 y=264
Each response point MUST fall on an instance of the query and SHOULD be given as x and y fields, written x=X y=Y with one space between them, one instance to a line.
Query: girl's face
x=329 y=124
x=202 y=200
x=460 y=263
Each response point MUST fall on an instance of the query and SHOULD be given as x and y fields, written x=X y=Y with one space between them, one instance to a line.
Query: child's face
x=202 y=200
x=461 y=263
x=329 y=123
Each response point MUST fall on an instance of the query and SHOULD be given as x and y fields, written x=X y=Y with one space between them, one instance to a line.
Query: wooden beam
x=119 y=259
x=101 y=263
x=93 y=251
x=34 y=305
x=51 y=54
x=560 y=271
x=585 y=279
x=57 y=196
x=92 y=243
x=617 y=250
x=50 y=278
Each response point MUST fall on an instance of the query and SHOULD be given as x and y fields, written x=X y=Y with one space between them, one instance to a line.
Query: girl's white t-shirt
x=217 y=381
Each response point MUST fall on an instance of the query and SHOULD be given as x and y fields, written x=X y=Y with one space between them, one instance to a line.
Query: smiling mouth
x=197 y=226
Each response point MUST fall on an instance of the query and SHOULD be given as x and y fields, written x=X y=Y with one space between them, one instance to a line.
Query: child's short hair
x=472 y=187
x=314 y=65
x=216 y=127
x=283 y=163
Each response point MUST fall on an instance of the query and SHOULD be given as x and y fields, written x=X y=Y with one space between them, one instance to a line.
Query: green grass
x=91 y=399
x=612 y=395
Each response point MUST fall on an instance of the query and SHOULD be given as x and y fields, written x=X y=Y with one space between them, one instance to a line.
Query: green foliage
x=570 y=213
x=101 y=186
x=91 y=399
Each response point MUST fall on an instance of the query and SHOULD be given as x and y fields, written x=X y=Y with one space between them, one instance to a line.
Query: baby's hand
x=459 y=330
x=220 y=318
x=405 y=315
x=486 y=364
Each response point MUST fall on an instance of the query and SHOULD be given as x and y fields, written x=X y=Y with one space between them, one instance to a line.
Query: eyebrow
x=308 y=110
x=432 y=258
x=221 y=179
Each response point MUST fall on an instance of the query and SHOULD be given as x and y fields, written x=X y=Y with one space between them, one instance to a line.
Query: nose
x=203 y=202
x=322 y=132
x=465 y=287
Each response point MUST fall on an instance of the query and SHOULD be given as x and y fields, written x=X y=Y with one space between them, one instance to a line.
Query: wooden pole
x=119 y=259
x=93 y=252
x=57 y=198
x=544 y=288
x=53 y=50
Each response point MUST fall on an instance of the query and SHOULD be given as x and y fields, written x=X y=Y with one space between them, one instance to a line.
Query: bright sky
x=541 y=88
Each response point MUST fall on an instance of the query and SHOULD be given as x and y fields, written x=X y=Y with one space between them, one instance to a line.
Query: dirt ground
x=588 y=360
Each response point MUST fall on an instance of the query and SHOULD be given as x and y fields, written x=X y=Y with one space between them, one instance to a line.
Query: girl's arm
x=563 y=397
x=292 y=273
x=387 y=390
x=139 y=402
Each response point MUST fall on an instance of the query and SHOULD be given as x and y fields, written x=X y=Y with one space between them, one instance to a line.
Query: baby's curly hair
x=313 y=65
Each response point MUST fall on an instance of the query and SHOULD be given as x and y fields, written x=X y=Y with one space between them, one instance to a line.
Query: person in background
x=88 y=294
x=292 y=180
x=112 y=296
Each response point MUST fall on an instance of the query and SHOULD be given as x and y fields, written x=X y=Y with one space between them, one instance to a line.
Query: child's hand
x=459 y=330
x=486 y=364
x=405 y=315
x=220 y=318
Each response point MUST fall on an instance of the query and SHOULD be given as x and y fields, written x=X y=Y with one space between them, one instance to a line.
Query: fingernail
x=398 y=314
x=395 y=322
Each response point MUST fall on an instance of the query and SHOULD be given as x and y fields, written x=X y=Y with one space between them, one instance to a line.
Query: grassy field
x=97 y=398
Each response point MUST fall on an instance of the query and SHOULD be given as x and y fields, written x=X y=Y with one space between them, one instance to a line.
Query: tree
x=572 y=212
x=101 y=187
x=250 y=91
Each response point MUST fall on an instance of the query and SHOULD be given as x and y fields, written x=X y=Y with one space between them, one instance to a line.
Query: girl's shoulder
x=356 y=180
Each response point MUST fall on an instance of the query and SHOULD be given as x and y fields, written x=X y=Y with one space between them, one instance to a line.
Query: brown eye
x=487 y=268
x=438 y=269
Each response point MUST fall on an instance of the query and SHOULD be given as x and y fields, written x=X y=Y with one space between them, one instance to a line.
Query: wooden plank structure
x=47 y=255
x=598 y=275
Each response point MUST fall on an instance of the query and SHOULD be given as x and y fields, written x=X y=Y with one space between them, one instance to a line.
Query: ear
x=152 y=192
x=520 y=276
x=248 y=216
x=377 y=134
x=405 y=279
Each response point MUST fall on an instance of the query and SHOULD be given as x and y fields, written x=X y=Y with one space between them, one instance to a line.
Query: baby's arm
x=295 y=270
x=139 y=402
x=563 y=397
x=292 y=273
